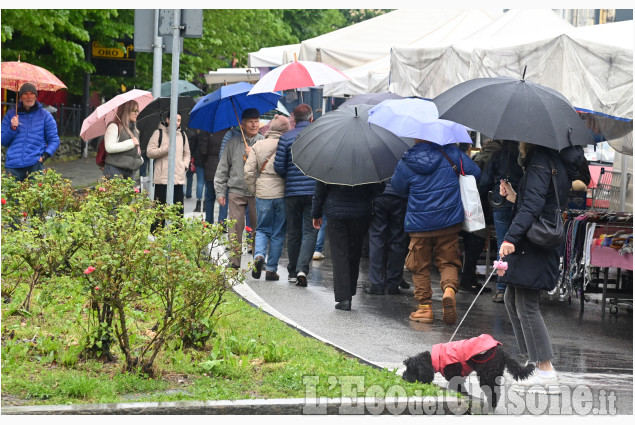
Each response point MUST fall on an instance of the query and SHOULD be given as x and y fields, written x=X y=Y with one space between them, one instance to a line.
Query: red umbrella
x=298 y=74
x=96 y=123
x=14 y=74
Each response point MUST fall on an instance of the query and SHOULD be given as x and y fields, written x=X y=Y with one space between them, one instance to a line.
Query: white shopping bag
x=474 y=218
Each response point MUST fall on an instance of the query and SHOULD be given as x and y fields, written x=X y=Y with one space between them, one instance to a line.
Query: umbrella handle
x=239 y=126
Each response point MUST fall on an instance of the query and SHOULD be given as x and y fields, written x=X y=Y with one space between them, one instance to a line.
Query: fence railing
x=68 y=118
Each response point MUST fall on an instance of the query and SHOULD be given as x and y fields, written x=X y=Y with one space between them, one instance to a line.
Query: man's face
x=28 y=99
x=250 y=126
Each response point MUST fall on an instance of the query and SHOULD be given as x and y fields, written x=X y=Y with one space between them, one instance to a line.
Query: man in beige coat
x=159 y=152
x=263 y=181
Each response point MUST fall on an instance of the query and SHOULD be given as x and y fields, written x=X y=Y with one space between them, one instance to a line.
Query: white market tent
x=271 y=57
x=430 y=70
x=373 y=77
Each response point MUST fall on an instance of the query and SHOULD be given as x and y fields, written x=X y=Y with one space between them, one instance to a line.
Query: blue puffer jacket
x=296 y=183
x=36 y=134
x=432 y=186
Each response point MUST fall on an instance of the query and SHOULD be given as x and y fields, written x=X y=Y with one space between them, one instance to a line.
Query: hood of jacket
x=423 y=164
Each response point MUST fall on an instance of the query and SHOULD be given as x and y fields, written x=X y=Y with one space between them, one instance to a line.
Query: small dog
x=459 y=358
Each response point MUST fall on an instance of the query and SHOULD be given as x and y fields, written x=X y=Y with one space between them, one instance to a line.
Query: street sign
x=143 y=33
x=123 y=51
x=191 y=20
x=116 y=61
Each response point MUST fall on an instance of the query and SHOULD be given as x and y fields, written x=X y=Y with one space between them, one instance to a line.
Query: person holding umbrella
x=122 y=142
x=30 y=133
x=230 y=177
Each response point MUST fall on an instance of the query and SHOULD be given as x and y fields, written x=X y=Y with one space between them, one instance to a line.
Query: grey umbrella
x=342 y=147
x=512 y=109
x=370 y=98
x=184 y=88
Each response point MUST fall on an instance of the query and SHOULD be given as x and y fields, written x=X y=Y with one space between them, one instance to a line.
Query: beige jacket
x=160 y=156
x=266 y=184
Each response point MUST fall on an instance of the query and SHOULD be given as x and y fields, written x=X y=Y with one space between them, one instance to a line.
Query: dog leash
x=468 y=310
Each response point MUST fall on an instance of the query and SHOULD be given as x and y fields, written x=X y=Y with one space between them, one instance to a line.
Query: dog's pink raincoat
x=460 y=352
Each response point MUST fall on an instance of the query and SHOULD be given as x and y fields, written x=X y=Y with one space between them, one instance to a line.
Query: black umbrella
x=342 y=147
x=370 y=98
x=507 y=108
x=156 y=112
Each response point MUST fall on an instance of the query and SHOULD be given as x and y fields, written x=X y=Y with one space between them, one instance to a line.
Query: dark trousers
x=387 y=242
x=210 y=198
x=346 y=237
x=301 y=234
x=21 y=174
x=160 y=195
x=473 y=246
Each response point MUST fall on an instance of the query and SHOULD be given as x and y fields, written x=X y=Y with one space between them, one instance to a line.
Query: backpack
x=161 y=137
x=100 y=159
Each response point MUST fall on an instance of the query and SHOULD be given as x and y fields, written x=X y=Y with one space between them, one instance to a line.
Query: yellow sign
x=121 y=52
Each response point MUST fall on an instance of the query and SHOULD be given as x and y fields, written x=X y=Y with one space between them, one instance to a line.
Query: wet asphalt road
x=591 y=353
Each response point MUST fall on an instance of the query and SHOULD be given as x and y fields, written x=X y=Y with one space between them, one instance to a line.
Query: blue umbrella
x=223 y=108
x=419 y=119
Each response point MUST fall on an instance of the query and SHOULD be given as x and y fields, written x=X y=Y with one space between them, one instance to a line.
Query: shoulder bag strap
x=266 y=161
x=554 y=172
x=454 y=167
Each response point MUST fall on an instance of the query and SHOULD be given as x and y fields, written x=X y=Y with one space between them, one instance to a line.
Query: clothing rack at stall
x=596 y=240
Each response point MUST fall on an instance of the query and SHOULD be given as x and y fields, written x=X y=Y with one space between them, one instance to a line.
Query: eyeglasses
x=135 y=111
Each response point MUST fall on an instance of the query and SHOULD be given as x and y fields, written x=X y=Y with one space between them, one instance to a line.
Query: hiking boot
x=293 y=277
x=302 y=280
x=317 y=255
x=499 y=296
x=198 y=206
x=538 y=382
x=423 y=314
x=343 y=305
x=449 y=307
x=271 y=276
x=374 y=290
x=260 y=261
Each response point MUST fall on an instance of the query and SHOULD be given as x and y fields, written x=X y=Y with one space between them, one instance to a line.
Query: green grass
x=253 y=355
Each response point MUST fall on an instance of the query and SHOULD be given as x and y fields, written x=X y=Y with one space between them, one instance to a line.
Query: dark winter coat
x=344 y=202
x=531 y=266
x=208 y=147
x=36 y=135
x=296 y=183
x=432 y=186
x=502 y=165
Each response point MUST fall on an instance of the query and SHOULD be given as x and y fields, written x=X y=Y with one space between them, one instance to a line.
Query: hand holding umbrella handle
x=15 y=121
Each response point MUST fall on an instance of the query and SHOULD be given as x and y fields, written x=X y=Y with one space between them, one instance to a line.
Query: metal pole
x=623 y=183
x=173 y=104
x=157 y=66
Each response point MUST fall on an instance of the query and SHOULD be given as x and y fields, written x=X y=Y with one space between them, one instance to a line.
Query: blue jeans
x=502 y=216
x=21 y=174
x=319 y=244
x=300 y=232
x=272 y=226
x=210 y=198
x=200 y=182
x=222 y=210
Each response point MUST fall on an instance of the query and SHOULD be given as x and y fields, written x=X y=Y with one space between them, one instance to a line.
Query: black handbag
x=548 y=232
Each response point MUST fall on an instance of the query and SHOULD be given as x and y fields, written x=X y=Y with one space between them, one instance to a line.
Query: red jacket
x=460 y=352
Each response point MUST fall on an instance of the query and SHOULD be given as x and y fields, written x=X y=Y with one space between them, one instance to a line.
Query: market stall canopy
x=232 y=75
x=271 y=57
x=374 y=76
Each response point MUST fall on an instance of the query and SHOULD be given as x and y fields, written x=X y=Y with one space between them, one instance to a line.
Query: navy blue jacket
x=531 y=266
x=503 y=164
x=432 y=186
x=296 y=183
x=36 y=135
x=344 y=202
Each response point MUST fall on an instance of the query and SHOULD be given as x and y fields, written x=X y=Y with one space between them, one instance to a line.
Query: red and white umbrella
x=298 y=74
x=14 y=74
x=96 y=123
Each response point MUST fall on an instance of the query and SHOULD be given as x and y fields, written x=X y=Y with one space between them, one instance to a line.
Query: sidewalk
x=591 y=353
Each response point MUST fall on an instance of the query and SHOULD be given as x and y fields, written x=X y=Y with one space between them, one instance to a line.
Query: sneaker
x=404 y=284
x=449 y=307
x=293 y=277
x=499 y=296
x=260 y=261
x=474 y=288
x=538 y=383
x=423 y=314
x=301 y=279
x=318 y=255
x=271 y=276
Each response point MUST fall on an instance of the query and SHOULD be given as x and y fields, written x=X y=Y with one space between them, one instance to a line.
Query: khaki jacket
x=160 y=156
x=266 y=184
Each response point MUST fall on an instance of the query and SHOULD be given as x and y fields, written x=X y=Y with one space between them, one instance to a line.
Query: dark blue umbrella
x=223 y=108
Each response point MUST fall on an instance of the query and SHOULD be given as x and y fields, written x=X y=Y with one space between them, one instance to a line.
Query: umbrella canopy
x=185 y=88
x=96 y=123
x=417 y=118
x=298 y=74
x=223 y=108
x=512 y=109
x=14 y=74
x=341 y=147
x=156 y=112
x=370 y=98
